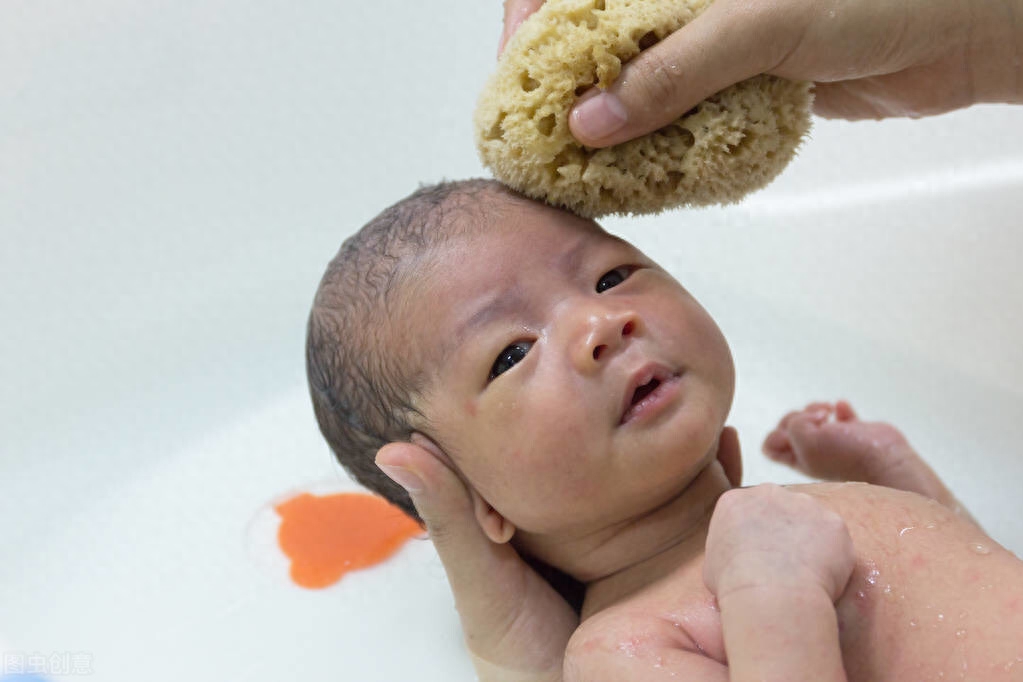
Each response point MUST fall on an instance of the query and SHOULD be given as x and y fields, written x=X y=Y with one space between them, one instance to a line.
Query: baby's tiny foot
x=828 y=441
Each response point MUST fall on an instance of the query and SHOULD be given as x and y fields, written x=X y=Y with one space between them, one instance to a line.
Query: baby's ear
x=494 y=525
x=497 y=528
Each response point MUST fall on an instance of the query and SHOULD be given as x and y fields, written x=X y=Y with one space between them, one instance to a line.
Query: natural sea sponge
x=730 y=144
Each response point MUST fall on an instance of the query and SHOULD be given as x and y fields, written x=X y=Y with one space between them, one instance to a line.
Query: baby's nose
x=603 y=334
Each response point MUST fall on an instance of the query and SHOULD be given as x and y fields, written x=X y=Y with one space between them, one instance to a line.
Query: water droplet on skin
x=906 y=530
x=888 y=591
x=872 y=576
x=941 y=617
x=913 y=624
x=931 y=526
x=961 y=633
x=978 y=548
x=861 y=594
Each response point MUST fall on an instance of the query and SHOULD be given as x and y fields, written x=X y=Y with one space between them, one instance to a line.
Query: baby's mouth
x=649 y=387
x=645 y=390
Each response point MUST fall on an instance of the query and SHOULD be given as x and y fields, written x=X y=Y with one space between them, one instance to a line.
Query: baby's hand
x=828 y=441
x=777 y=561
x=767 y=537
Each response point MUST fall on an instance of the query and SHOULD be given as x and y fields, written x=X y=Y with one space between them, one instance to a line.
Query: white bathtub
x=175 y=175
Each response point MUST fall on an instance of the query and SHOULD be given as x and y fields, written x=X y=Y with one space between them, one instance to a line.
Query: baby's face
x=580 y=384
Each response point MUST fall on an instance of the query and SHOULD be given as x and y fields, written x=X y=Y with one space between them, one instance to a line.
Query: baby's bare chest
x=931 y=596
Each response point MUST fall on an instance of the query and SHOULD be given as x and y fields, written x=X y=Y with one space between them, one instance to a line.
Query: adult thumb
x=446 y=507
x=730 y=42
x=730 y=455
x=437 y=492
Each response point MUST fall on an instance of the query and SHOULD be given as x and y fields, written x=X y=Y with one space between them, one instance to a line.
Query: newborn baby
x=582 y=394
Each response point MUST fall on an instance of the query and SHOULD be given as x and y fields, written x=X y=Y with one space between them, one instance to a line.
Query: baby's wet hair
x=362 y=395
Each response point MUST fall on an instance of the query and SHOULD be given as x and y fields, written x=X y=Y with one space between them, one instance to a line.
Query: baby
x=582 y=393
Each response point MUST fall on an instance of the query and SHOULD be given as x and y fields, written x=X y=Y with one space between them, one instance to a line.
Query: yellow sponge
x=730 y=144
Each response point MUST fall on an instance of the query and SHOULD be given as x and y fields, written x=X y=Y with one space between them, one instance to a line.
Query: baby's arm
x=614 y=648
x=777 y=561
x=829 y=441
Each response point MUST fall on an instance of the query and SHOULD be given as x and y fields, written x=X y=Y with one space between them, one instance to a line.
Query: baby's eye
x=613 y=278
x=509 y=357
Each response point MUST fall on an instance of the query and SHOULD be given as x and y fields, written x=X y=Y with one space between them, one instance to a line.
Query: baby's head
x=570 y=381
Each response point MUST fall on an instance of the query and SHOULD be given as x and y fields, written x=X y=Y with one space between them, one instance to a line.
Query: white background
x=174 y=176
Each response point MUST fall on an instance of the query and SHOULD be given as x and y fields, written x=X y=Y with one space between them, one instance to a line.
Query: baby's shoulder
x=875 y=507
x=892 y=526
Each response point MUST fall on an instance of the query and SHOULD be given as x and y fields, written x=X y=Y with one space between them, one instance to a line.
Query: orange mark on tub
x=327 y=536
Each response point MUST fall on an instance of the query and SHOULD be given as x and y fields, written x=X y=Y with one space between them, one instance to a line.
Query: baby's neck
x=660 y=542
x=623 y=558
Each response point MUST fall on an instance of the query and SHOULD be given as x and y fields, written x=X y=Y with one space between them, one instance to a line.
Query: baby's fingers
x=818 y=412
x=844 y=411
x=778 y=447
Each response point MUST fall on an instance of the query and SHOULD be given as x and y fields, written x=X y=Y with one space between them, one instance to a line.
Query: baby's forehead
x=518 y=226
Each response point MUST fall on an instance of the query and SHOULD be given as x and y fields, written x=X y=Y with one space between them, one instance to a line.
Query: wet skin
x=932 y=597
x=580 y=392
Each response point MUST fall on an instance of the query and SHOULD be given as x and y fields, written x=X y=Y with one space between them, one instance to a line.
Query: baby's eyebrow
x=496 y=305
x=570 y=259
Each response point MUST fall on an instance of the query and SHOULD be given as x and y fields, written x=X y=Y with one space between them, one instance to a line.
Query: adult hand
x=515 y=12
x=516 y=626
x=869 y=59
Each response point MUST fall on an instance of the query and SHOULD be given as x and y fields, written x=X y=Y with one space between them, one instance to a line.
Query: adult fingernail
x=599 y=116
x=406 y=478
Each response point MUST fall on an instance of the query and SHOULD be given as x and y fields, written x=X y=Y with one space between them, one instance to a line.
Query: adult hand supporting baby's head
x=869 y=59
x=516 y=626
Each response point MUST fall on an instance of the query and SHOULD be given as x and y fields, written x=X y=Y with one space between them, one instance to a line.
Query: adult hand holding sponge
x=868 y=59
x=735 y=141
